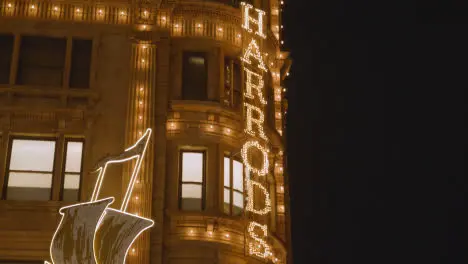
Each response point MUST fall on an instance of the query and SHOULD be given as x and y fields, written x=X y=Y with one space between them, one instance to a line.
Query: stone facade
x=135 y=82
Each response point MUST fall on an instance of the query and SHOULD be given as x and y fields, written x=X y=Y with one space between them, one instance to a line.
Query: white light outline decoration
x=136 y=170
x=139 y=233
x=257 y=55
x=127 y=196
x=95 y=231
x=252 y=249
x=247 y=19
x=249 y=85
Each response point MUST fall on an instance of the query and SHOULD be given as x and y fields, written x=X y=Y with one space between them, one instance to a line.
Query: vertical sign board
x=257 y=143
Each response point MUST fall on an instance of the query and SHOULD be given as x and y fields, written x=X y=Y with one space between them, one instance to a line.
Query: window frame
x=181 y=183
x=64 y=165
x=231 y=188
x=8 y=160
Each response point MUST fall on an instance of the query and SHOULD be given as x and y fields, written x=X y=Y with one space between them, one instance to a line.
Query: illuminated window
x=6 y=51
x=81 y=63
x=233 y=186
x=192 y=178
x=72 y=172
x=41 y=61
x=30 y=170
x=195 y=76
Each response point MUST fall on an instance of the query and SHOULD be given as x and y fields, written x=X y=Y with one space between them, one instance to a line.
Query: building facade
x=83 y=80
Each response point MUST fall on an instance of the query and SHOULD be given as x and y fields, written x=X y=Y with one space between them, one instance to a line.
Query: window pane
x=191 y=191
x=81 y=63
x=32 y=155
x=29 y=186
x=71 y=187
x=237 y=172
x=6 y=50
x=227 y=201
x=41 y=61
x=191 y=197
x=238 y=205
x=195 y=76
x=227 y=172
x=74 y=156
x=192 y=167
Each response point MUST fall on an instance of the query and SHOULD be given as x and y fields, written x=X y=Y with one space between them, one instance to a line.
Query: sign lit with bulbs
x=254 y=106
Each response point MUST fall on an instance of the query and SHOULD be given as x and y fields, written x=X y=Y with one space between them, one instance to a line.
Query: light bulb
x=143 y=60
x=100 y=11
x=163 y=18
x=133 y=250
x=227 y=235
x=198 y=25
x=220 y=29
x=9 y=4
x=191 y=231
x=176 y=25
x=136 y=198
x=145 y=13
x=122 y=13
x=77 y=10
x=211 y=126
x=238 y=35
x=140 y=117
x=144 y=26
x=55 y=8
x=210 y=233
x=228 y=130
x=141 y=102
x=144 y=46
x=287 y=74
x=141 y=89
x=33 y=6
x=284 y=90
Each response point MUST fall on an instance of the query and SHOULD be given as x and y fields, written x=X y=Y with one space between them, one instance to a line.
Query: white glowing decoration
x=139 y=157
x=245 y=149
x=249 y=85
x=251 y=120
x=248 y=19
x=250 y=198
x=255 y=250
x=254 y=51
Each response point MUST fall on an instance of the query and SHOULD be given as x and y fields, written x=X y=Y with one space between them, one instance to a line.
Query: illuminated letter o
x=249 y=144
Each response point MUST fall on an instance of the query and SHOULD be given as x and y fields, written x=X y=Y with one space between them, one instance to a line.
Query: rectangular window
x=81 y=63
x=41 y=61
x=72 y=173
x=6 y=52
x=233 y=186
x=191 y=188
x=195 y=76
x=30 y=170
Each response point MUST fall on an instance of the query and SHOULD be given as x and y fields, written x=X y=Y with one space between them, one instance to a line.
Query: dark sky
x=375 y=130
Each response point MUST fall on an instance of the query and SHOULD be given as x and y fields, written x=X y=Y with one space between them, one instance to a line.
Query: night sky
x=375 y=130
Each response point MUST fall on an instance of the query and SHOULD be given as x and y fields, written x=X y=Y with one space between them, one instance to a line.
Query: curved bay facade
x=82 y=80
